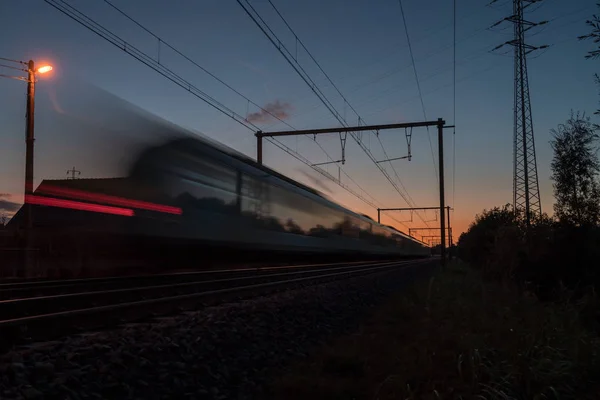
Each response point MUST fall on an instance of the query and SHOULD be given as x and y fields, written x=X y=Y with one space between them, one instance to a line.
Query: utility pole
x=442 y=190
x=526 y=189
x=449 y=235
x=259 y=151
x=29 y=140
x=73 y=172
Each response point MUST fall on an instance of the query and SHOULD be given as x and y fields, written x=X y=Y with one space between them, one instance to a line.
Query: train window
x=366 y=226
x=350 y=226
x=288 y=210
x=210 y=173
x=256 y=205
x=193 y=193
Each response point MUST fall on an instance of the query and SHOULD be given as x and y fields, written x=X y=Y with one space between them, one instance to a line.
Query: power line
x=418 y=85
x=454 y=109
x=11 y=60
x=449 y=85
x=397 y=69
x=428 y=33
x=412 y=57
x=298 y=156
x=128 y=48
x=346 y=102
x=468 y=60
x=104 y=33
x=292 y=60
x=280 y=145
x=12 y=67
x=162 y=41
x=314 y=60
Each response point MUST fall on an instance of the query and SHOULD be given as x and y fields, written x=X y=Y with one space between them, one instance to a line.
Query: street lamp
x=44 y=69
x=29 y=138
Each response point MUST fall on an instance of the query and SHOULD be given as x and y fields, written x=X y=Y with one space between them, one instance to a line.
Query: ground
x=454 y=336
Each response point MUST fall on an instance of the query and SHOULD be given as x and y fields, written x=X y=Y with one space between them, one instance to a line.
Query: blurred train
x=194 y=201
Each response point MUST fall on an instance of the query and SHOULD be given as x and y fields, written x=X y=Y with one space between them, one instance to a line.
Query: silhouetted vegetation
x=453 y=337
x=574 y=171
x=594 y=34
x=555 y=255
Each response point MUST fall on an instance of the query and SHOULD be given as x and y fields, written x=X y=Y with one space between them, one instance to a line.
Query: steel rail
x=8 y=306
x=112 y=307
x=73 y=282
x=53 y=325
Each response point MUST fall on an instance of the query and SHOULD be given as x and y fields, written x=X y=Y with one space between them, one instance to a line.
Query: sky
x=363 y=48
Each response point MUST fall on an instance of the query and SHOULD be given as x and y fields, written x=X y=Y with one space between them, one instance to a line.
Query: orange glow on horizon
x=460 y=220
x=76 y=205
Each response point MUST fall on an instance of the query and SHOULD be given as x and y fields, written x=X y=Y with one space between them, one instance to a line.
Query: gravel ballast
x=220 y=352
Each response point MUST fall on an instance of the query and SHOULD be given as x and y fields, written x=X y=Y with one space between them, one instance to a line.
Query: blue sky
x=360 y=44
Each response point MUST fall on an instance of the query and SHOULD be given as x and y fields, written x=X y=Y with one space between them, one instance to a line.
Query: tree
x=477 y=244
x=594 y=25
x=575 y=169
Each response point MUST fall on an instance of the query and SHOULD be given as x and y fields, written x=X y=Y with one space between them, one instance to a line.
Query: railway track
x=48 y=309
x=38 y=287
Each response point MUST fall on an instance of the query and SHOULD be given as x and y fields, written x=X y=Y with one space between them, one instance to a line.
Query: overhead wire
x=107 y=35
x=491 y=67
x=428 y=33
x=482 y=52
x=267 y=31
x=285 y=148
x=11 y=60
x=454 y=110
x=12 y=67
x=162 y=41
x=280 y=144
x=346 y=102
x=395 y=70
x=133 y=51
x=412 y=57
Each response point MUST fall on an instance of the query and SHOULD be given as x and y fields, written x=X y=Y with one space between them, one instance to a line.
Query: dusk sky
x=363 y=48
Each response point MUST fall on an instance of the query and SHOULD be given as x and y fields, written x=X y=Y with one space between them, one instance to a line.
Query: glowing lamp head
x=44 y=69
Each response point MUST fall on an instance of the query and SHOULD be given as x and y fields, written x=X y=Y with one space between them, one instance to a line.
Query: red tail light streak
x=77 y=205
x=108 y=199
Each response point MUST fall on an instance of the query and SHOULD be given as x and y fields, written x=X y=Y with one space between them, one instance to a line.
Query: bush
x=545 y=257
x=454 y=337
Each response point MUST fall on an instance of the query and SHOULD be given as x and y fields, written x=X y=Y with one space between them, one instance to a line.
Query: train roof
x=191 y=142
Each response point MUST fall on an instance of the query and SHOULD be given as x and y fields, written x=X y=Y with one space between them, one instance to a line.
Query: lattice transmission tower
x=526 y=188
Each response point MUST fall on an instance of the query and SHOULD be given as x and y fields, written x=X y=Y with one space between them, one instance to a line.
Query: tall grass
x=456 y=336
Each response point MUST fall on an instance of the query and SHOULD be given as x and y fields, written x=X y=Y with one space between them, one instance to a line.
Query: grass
x=455 y=336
